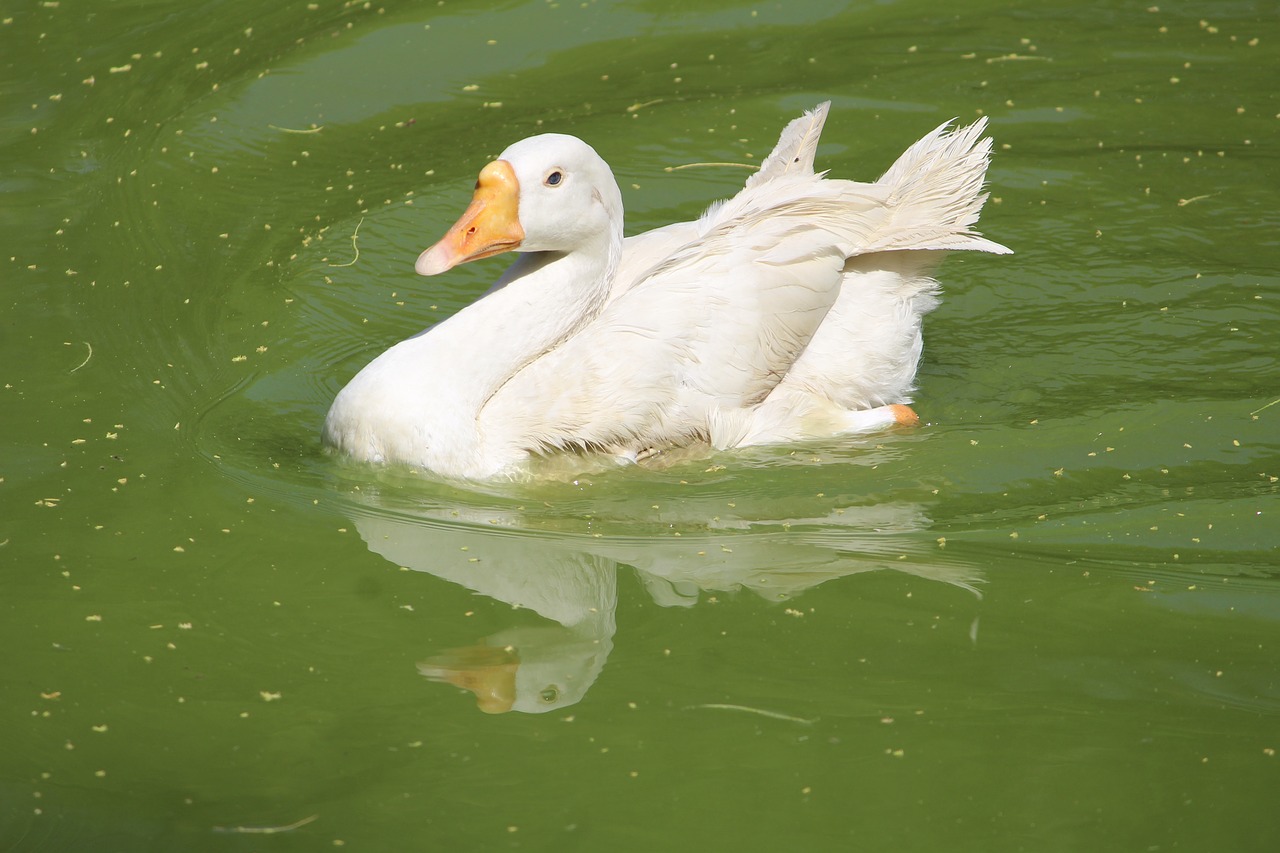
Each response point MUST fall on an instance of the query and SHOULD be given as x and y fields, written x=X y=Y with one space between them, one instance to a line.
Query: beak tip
x=431 y=262
x=489 y=226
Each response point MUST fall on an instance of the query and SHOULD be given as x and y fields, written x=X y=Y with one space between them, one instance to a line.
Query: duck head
x=547 y=193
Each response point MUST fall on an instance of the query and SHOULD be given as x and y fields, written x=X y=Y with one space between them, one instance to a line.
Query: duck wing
x=792 y=155
x=714 y=323
x=866 y=353
x=709 y=334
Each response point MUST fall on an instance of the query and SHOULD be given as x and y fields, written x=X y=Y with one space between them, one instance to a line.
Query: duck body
x=791 y=311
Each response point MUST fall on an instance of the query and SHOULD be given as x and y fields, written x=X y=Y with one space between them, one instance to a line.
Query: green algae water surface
x=1047 y=620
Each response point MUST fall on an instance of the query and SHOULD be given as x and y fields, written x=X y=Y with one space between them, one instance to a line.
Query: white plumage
x=789 y=311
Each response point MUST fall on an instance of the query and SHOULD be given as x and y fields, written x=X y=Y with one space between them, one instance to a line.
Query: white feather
x=791 y=310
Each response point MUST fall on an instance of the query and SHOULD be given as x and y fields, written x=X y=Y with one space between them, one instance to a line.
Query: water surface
x=1047 y=620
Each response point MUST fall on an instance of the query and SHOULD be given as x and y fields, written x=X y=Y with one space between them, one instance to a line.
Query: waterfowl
x=790 y=311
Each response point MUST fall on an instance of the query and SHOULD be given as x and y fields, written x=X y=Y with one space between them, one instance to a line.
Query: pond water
x=1046 y=620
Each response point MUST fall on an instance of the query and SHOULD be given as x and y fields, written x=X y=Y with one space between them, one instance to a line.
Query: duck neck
x=541 y=300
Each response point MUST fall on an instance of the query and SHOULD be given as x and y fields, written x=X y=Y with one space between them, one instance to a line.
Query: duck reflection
x=571 y=580
x=542 y=667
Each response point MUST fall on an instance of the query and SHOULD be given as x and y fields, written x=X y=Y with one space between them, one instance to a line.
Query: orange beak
x=494 y=686
x=486 y=671
x=490 y=225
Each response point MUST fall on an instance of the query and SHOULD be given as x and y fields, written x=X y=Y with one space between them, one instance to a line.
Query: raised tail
x=935 y=193
x=796 y=148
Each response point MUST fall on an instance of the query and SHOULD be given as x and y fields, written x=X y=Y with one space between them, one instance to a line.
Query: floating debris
x=267 y=830
x=751 y=166
x=86 y=358
x=354 y=235
x=773 y=715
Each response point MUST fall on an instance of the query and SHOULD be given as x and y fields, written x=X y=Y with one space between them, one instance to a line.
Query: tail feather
x=935 y=193
x=796 y=148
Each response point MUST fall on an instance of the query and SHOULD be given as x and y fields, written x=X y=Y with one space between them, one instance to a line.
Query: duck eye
x=549 y=694
x=554 y=179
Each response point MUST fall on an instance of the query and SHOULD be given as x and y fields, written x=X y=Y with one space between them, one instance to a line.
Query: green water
x=1046 y=621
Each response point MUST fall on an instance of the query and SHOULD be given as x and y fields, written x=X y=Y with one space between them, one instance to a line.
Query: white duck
x=790 y=311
